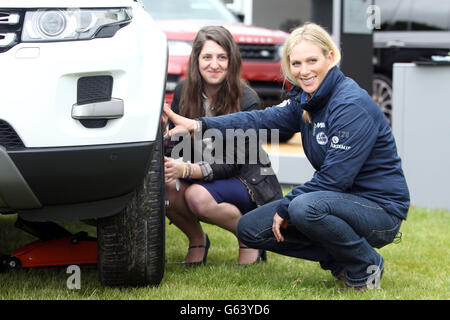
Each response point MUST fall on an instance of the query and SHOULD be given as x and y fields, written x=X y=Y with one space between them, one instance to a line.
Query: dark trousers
x=338 y=230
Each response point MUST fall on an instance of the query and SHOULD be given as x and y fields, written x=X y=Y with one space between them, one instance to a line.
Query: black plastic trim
x=16 y=28
x=70 y=175
x=79 y=211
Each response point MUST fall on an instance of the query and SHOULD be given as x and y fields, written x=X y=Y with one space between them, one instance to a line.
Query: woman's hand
x=165 y=122
x=278 y=222
x=172 y=169
x=182 y=124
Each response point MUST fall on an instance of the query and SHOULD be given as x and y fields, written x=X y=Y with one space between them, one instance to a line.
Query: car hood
x=187 y=29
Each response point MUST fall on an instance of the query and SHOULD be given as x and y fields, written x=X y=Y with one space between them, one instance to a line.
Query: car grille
x=11 y=21
x=94 y=89
x=259 y=52
x=8 y=137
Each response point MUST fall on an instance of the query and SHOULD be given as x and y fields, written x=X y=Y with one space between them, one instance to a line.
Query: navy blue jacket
x=349 y=142
x=263 y=187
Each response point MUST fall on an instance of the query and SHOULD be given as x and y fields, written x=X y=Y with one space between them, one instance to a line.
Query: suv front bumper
x=66 y=158
x=90 y=182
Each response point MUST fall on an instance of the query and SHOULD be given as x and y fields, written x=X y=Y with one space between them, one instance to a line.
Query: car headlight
x=73 y=24
x=179 y=48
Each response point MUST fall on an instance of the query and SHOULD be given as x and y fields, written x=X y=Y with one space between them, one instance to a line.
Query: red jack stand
x=56 y=247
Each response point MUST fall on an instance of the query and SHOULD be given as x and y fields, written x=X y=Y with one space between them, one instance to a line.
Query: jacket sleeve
x=285 y=117
x=250 y=101
x=352 y=134
x=224 y=171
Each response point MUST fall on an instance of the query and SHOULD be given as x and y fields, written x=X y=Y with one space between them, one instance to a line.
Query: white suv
x=81 y=92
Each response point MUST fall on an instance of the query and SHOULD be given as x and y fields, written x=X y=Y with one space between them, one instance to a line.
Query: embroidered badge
x=322 y=138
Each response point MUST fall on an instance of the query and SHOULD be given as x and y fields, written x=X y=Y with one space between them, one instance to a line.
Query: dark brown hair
x=227 y=99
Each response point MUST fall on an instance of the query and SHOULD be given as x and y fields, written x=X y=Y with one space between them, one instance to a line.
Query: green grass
x=416 y=268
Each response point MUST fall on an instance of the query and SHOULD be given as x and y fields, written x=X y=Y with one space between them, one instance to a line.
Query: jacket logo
x=322 y=138
x=319 y=125
x=282 y=104
x=334 y=144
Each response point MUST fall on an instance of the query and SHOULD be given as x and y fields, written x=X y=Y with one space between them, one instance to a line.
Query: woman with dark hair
x=215 y=192
x=219 y=80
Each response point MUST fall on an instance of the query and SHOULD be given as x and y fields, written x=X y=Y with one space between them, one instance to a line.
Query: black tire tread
x=131 y=243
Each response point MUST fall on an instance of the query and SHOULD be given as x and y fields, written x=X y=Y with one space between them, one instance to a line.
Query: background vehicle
x=81 y=94
x=411 y=30
x=261 y=48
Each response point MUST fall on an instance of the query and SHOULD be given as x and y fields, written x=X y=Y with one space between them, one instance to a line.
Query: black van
x=411 y=30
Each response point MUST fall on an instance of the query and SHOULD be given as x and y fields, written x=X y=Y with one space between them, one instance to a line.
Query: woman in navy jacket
x=358 y=195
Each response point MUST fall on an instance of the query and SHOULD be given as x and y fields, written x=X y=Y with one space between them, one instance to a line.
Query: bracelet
x=191 y=169
x=188 y=170
x=184 y=171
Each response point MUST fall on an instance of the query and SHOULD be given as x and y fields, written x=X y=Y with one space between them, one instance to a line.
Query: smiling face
x=213 y=63
x=309 y=65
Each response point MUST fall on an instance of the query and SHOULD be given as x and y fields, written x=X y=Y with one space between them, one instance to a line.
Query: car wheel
x=131 y=244
x=382 y=94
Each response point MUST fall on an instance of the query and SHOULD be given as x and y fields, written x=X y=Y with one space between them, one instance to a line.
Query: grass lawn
x=416 y=268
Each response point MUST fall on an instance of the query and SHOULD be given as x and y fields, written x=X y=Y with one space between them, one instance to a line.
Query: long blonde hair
x=316 y=34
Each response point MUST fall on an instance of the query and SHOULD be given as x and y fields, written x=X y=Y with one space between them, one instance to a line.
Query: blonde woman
x=358 y=196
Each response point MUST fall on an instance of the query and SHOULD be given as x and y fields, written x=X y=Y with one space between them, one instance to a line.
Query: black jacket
x=259 y=178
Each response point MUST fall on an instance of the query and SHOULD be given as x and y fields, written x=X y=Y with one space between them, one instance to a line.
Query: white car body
x=82 y=86
x=38 y=89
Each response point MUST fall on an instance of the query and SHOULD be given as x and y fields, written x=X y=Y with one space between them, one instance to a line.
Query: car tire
x=382 y=94
x=131 y=244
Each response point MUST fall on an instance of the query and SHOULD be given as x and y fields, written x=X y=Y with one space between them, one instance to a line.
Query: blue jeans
x=338 y=230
